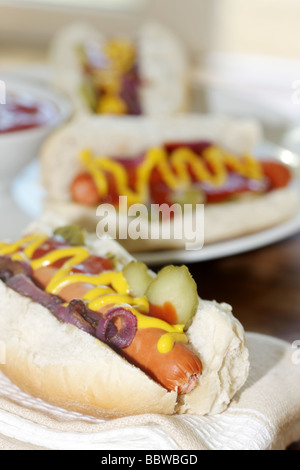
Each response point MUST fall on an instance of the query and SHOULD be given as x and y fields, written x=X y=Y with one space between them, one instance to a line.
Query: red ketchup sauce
x=93 y=265
x=23 y=111
x=167 y=313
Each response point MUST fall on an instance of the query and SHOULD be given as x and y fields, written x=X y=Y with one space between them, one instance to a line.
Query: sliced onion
x=72 y=314
x=77 y=314
x=117 y=328
x=25 y=286
x=10 y=268
x=119 y=336
x=130 y=94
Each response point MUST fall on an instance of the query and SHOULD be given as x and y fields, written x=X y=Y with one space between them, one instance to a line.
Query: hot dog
x=176 y=370
x=86 y=296
x=121 y=75
x=270 y=176
x=184 y=160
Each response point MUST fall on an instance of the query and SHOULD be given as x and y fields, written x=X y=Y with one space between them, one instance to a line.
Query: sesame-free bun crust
x=67 y=367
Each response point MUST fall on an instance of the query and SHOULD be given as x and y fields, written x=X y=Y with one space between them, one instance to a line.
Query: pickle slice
x=89 y=94
x=190 y=196
x=175 y=286
x=72 y=234
x=138 y=277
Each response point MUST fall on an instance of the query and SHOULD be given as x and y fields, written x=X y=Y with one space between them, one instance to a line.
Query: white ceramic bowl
x=18 y=148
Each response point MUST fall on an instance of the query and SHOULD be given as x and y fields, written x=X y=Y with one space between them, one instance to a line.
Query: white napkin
x=264 y=415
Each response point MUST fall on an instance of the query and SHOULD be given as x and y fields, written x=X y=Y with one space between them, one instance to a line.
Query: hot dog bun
x=112 y=136
x=69 y=368
x=162 y=59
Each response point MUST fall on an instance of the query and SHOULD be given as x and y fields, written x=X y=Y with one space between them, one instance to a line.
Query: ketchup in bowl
x=22 y=111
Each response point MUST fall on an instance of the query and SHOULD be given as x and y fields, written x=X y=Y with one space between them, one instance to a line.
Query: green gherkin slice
x=190 y=196
x=72 y=234
x=89 y=94
x=138 y=277
x=176 y=286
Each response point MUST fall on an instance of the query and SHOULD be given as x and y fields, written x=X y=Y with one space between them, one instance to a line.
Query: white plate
x=28 y=194
x=227 y=248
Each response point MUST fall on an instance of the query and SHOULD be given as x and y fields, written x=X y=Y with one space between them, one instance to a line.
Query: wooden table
x=263 y=287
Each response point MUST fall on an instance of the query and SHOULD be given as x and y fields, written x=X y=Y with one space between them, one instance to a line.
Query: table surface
x=263 y=287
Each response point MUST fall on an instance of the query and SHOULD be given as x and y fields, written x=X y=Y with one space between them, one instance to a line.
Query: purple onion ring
x=16 y=275
x=73 y=314
x=119 y=336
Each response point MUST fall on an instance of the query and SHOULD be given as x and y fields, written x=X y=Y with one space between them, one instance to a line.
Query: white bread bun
x=65 y=69
x=165 y=69
x=162 y=59
x=113 y=136
x=67 y=367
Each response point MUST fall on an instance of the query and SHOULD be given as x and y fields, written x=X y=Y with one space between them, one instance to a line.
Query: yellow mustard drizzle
x=173 y=332
x=173 y=169
x=111 y=287
x=166 y=341
x=8 y=249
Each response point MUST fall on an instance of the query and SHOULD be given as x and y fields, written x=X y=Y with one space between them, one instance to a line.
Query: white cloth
x=264 y=415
